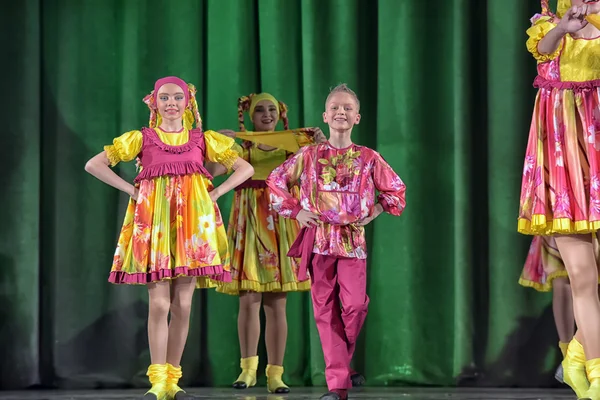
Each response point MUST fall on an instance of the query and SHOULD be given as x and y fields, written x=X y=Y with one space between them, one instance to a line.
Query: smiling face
x=341 y=111
x=170 y=102
x=265 y=117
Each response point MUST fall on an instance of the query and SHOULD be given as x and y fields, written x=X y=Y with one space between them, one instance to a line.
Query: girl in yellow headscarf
x=560 y=192
x=259 y=242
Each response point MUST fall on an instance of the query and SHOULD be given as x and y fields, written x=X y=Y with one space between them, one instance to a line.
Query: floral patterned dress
x=259 y=240
x=174 y=229
x=560 y=191
x=544 y=264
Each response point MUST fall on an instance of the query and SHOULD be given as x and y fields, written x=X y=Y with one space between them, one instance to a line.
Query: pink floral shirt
x=339 y=186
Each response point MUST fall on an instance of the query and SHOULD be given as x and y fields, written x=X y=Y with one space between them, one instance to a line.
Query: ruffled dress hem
x=545 y=286
x=539 y=225
x=234 y=288
x=214 y=273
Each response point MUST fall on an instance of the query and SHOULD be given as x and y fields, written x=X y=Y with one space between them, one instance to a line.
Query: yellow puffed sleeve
x=239 y=150
x=219 y=149
x=124 y=148
x=536 y=33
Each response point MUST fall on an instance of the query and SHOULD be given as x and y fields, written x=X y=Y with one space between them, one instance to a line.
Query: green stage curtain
x=446 y=94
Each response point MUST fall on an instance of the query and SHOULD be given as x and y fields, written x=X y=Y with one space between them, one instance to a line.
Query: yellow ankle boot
x=157 y=374
x=574 y=368
x=247 y=378
x=274 y=379
x=174 y=374
x=593 y=372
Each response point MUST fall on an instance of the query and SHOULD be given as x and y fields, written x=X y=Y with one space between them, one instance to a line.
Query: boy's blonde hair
x=343 y=88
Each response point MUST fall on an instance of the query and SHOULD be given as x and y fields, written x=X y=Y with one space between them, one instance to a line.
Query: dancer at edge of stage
x=560 y=191
x=337 y=182
x=173 y=233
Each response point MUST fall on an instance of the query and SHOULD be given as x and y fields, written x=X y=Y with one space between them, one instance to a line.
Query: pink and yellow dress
x=560 y=191
x=174 y=229
x=544 y=264
x=259 y=239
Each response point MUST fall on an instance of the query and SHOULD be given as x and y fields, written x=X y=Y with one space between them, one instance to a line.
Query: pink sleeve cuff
x=295 y=211
x=384 y=204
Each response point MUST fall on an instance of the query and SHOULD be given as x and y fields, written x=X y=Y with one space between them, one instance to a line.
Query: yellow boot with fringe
x=274 y=379
x=174 y=374
x=574 y=368
x=247 y=378
x=157 y=374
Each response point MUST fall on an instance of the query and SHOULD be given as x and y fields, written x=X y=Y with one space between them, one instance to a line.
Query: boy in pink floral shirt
x=337 y=182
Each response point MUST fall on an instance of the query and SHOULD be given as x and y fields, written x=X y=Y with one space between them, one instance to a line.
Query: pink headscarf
x=177 y=81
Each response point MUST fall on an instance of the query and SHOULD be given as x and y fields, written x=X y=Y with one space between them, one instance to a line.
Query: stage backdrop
x=446 y=98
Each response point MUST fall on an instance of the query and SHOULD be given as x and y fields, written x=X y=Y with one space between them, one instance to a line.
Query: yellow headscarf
x=260 y=97
x=248 y=104
x=562 y=6
x=283 y=139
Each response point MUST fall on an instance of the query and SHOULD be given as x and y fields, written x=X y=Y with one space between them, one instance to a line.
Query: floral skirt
x=259 y=240
x=544 y=264
x=560 y=190
x=174 y=229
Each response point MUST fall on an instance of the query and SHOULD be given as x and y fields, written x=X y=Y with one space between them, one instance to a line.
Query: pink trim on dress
x=543 y=83
x=195 y=140
x=173 y=169
x=214 y=272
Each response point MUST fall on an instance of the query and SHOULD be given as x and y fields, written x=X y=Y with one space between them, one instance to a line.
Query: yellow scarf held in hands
x=594 y=19
x=284 y=140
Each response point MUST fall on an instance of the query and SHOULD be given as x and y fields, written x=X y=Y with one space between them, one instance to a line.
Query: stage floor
x=308 y=393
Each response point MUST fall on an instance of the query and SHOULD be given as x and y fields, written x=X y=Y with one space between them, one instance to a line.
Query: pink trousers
x=340 y=302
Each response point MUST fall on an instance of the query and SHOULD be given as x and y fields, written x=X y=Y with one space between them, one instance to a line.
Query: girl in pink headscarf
x=173 y=238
